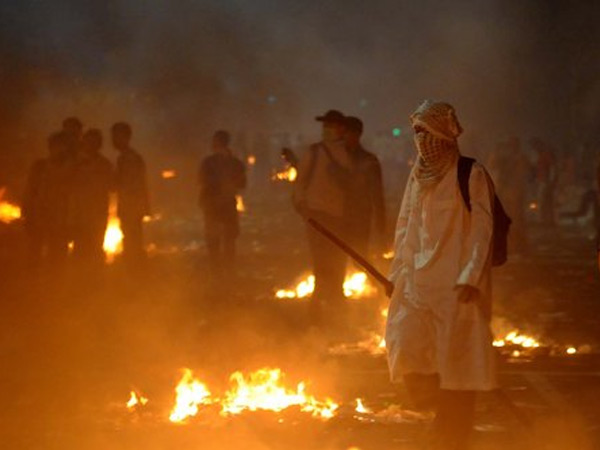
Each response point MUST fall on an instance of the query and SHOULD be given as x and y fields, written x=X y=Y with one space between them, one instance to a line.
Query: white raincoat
x=441 y=245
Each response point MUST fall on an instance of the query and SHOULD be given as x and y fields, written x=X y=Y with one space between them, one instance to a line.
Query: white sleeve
x=478 y=241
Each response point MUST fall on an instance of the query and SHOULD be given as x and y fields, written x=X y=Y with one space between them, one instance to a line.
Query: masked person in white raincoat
x=438 y=336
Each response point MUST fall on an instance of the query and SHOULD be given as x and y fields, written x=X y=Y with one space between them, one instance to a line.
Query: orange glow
x=168 y=174
x=8 y=212
x=290 y=174
x=191 y=394
x=389 y=255
x=356 y=285
x=533 y=206
x=113 y=236
x=136 y=400
x=264 y=390
x=360 y=407
x=516 y=338
x=251 y=160
x=239 y=204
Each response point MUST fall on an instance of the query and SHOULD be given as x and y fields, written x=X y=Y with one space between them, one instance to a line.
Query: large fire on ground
x=263 y=389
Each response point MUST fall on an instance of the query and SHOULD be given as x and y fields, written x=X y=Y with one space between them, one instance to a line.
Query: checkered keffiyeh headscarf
x=436 y=130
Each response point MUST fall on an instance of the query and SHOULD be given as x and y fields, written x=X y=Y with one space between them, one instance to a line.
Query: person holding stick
x=438 y=333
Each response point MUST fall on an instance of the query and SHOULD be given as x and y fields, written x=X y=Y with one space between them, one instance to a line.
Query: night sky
x=177 y=70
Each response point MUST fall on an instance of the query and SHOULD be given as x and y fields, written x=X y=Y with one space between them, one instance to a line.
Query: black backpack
x=501 y=220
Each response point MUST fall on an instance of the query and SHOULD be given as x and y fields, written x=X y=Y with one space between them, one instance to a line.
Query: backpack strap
x=465 y=164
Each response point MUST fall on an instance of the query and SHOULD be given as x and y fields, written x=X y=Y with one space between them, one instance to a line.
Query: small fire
x=135 y=400
x=264 y=390
x=356 y=285
x=533 y=206
x=360 y=407
x=290 y=174
x=113 y=236
x=389 y=255
x=8 y=212
x=251 y=160
x=515 y=338
x=191 y=393
x=239 y=204
x=571 y=351
x=167 y=174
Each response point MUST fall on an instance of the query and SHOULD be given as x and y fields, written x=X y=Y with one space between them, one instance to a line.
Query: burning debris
x=289 y=174
x=356 y=285
x=136 y=400
x=113 y=236
x=191 y=394
x=263 y=390
x=239 y=204
x=8 y=211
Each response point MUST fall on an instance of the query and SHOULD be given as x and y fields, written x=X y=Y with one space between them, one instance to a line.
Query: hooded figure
x=438 y=336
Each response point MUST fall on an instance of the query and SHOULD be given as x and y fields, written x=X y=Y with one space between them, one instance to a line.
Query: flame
x=113 y=239
x=251 y=160
x=360 y=408
x=8 y=212
x=571 y=351
x=533 y=206
x=135 y=400
x=389 y=255
x=168 y=174
x=264 y=390
x=290 y=174
x=515 y=338
x=191 y=393
x=239 y=204
x=356 y=285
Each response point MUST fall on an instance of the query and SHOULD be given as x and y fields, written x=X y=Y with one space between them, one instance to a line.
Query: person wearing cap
x=321 y=195
x=438 y=335
x=221 y=177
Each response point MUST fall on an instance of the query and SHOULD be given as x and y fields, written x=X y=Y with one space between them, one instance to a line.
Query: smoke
x=179 y=70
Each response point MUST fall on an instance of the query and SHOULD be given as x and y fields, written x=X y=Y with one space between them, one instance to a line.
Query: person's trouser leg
x=133 y=239
x=329 y=269
x=454 y=420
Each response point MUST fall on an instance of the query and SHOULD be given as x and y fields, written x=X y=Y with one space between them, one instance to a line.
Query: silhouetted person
x=365 y=203
x=321 y=194
x=45 y=204
x=546 y=177
x=221 y=177
x=73 y=129
x=132 y=193
x=92 y=183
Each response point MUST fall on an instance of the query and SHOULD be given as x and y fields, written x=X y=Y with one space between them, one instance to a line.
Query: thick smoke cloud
x=177 y=70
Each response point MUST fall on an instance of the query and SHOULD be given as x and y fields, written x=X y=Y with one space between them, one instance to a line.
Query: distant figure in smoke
x=221 y=177
x=320 y=193
x=547 y=178
x=73 y=129
x=45 y=204
x=93 y=181
x=438 y=332
x=365 y=203
x=132 y=193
